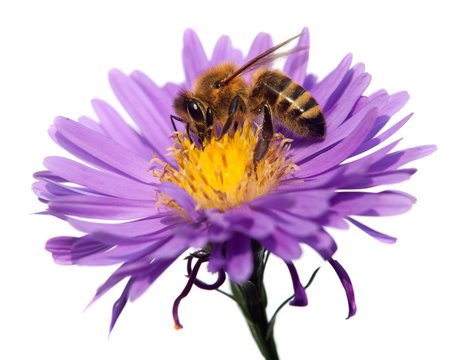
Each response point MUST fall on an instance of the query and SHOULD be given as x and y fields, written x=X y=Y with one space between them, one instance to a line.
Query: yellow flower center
x=223 y=175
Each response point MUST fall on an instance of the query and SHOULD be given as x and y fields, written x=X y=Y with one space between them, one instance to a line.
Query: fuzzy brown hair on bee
x=208 y=93
x=221 y=96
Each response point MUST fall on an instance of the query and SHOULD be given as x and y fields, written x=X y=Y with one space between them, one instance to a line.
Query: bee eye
x=217 y=85
x=194 y=110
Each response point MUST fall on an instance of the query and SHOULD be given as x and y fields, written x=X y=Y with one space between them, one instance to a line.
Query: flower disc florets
x=222 y=174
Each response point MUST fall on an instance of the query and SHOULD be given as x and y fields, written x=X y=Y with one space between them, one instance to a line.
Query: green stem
x=252 y=300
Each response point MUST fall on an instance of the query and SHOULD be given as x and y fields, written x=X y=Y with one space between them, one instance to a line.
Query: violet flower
x=143 y=206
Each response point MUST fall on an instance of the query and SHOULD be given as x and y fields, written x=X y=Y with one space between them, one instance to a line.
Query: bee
x=222 y=96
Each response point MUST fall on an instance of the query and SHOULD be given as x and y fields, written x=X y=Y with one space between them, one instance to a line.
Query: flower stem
x=252 y=300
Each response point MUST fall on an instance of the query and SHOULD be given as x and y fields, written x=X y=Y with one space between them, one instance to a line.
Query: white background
x=54 y=56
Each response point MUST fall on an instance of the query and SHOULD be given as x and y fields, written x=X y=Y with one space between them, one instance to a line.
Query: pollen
x=222 y=174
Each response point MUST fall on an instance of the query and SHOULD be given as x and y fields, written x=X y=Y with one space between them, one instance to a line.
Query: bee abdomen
x=293 y=106
x=307 y=116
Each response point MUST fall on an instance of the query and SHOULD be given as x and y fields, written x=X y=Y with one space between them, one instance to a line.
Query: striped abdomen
x=293 y=106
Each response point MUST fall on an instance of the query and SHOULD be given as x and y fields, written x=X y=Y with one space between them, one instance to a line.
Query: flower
x=143 y=197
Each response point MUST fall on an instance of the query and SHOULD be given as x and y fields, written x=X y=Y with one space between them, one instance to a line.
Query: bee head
x=189 y=108
x=194 y=113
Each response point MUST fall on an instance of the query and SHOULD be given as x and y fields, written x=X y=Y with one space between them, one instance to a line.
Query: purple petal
x=193 y=56
x=118 y=130
x=292 y=224
x=49 y=191
x=347 y=285
x=196 y=234
x=219 y=229
x=374 y=233
x=249 y=222
x=217 y=262
x=171 y=89
x=260 y=44
x=346 y=129
x=125 y=270
x=103 y=182
x=334 y=220
x=78 y=152
x=119 y=254
x=91 y=124
x=323 y=243
x=339 y=106
x=395 y=160
x=239 y=258
x=300 y=298
x=309 y=82
x=172 y=248
x=305 y=190
x=181 y=197
x=144 y=266
x=341 y=90
x=322 y=181
x=326 y=87
x=385 y=203
x=362 y=165
x=282 y=201
x=283 y=245
x=392 y=177
x=68 y=250
x=306 y=203
x=342 y=150
x=104 y=149
x=363 y=100
x=61 y=187
x=382 y=137
x=100 y=249
x=224 y=52
x=119 y=305
x=296 y=64
x=218 y=234
x=40 y=189
x=394 y=104
x=48 y=175
x=368 y=181
x=154 y=225
x=142 y=283
x=102 y=207
x=161 y=99
x=152 y=124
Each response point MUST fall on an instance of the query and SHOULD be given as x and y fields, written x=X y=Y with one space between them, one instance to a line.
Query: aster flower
x=143 y=197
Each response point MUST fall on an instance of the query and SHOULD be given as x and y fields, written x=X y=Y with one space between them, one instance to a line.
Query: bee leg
x=266 y=135
x=233 y=107
x=187 y=130
x=174 y=117
x=209 y=123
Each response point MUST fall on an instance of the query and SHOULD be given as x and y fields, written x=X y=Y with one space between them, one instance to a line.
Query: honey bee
x=221 y=96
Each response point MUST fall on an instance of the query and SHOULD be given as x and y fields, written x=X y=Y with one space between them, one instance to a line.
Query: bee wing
x=265 y=58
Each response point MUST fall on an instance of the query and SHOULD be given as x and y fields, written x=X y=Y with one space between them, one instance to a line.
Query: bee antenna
x=259 y=57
